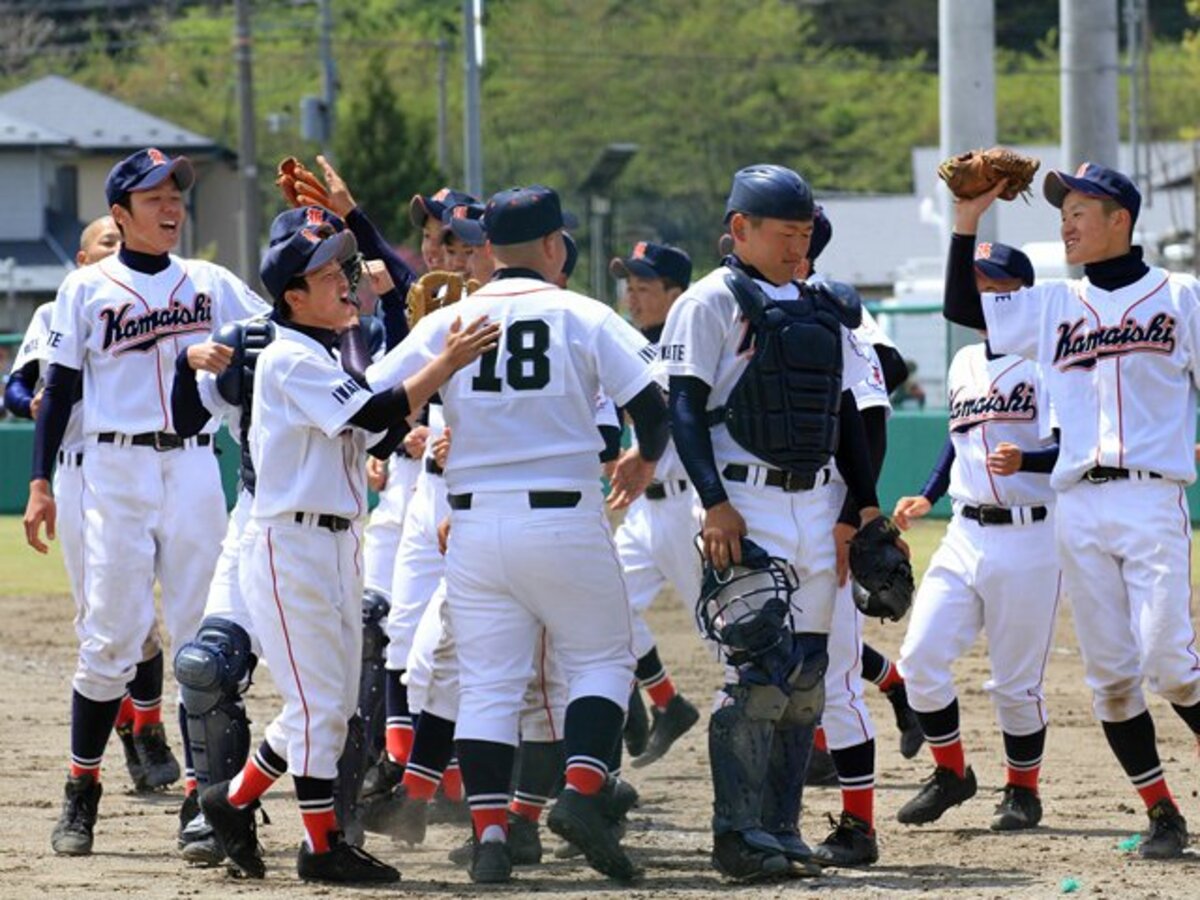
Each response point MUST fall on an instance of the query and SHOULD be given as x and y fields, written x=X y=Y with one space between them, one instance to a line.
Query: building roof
x=55 y=110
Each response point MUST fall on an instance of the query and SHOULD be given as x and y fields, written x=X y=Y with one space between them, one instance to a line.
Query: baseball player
x=655 y=539
x=1120 y=353
x=149 y=759
x=522 y=481
x=299 y=570
x=152 y=501
x=995 y=570
x=769 y=484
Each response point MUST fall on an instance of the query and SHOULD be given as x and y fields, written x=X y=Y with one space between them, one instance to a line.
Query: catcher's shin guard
x=352 y=767
x=739 y=751
x=791 y=749
x=371 y=686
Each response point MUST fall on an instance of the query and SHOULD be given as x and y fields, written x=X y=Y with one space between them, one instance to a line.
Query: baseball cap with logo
x=650 y=260
x=434 y=206
x=1002 y=261
x=303 y=245
x=288 y=222
x=463 y=220
x=1094 y=180
x=523 y=214
x=144 y=170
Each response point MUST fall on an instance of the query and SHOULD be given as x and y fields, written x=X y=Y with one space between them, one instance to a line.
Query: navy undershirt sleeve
x=693 y=441
x=651 y=421
x=384 y=410
x=611 y=435
x=187 y=412
x=875 y=426
x=895 y=369
x=938 y=481
x=374 y=245
x=19 y=391
x=51 y=423
x=853 y=455
x=961 y=302
x=354 y=354
x=1041 y=461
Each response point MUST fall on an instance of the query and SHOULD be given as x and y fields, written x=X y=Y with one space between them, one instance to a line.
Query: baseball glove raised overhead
x=882 y=570
x=436 y=289
x=970 y=174
x=299 y=185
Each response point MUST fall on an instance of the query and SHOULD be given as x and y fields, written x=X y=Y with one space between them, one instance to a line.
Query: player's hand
x=441 y=448
x=38 y=511
x=967 y=213
x=722 y=535
x=36 y=403
x=443 y=532
x=377 y=473
x=908 y=510
x=630 y=478
x=414 y=441
x=340 y=201
x=843 y=534
x=379 y=276
x=464 y=345
x=209 y=356
x=1005 y=459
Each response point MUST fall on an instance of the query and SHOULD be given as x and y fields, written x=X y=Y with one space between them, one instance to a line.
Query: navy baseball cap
x=524 y=214
x=649 y=260
x=423 y=207
x=572 y=254
x=1003 y=261
x=1094 y=180
x=303 y=246
x=144 y=170
x=290 y=221
x=822 y=233
x=770 y=191
x=463 y=220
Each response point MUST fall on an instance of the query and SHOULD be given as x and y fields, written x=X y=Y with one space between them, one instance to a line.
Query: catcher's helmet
x=774 y=192
x=747 y=608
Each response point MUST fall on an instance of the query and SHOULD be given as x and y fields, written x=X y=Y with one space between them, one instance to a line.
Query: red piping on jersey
x=288 y=643
x=1036 y=692
x=1083 y=299
x=854 y=668
x=1120 y=412
x=162 y=400
x=545 y=696
x=1191 y=647
x=983 y=429
x=536 y=290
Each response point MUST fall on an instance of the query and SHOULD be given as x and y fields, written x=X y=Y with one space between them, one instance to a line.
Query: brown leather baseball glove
x=970 y=174
x=299 y=185
x=436 y=289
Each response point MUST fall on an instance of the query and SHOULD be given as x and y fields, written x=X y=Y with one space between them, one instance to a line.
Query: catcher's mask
x=747 y=608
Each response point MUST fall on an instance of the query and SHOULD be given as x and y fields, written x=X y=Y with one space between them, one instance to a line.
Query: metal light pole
x=247 y=147
x=605 y=171
x=473 y=61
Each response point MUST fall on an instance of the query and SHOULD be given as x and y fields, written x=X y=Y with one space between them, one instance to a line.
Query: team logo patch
x=1080 y=348
x=125 y=333
x=314 y=216
x=983 y=251
x=1016 y=405
x=639 y=250
x=156 y=157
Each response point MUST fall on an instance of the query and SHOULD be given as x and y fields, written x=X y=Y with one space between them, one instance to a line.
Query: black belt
x=656 y=490
x=789 y=482
x=159 y=440
x=537 y=500
x=1101 y=474
x=76 y=457
x=432 y=467
x=998 y=515
x=332 y=523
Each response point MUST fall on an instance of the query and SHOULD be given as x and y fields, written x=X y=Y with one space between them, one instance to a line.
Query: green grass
x=27 y=572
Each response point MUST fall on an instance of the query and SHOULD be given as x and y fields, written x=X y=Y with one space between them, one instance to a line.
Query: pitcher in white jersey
x=152 y=502
x=996 y=570
x=529 y=543
x=1120 y=351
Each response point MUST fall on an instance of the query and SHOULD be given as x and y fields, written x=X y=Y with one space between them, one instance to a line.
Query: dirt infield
x=1089 y=805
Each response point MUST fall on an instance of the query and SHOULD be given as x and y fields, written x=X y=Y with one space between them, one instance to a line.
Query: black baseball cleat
x=669 y=725
x=585 y=822
x=159 y=766
x=376 y=799
x=343 y=863
x=1168 y=832
x=524 y=841
x=235 y=828
x=490 y=863
x=798 y=853
x=851 y=843
x=943 y=790
x=619 y=798
x=911 y=736
x=461 y=855
x=1018 y=809
x=637 y=725
x=198 y=843
x=133 y=762
x=821 y=770
x=188 y=811
x=72 y=835
x=735 y=857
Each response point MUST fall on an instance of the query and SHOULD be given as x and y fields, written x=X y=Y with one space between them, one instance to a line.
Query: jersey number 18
x=527 y=367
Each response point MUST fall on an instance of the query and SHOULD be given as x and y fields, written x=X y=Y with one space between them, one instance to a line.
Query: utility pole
x=247 y=148
x=1133 y=47
x=473 y=60
x=330 y=71
x=1090 y=132
x=443 y=123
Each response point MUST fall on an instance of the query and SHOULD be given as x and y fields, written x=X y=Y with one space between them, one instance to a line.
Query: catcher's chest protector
x=784 y=408
x=256 y=335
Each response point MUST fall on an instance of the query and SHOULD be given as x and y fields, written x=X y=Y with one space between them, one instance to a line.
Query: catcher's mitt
x=436 y=289
x=299 y=185
x=882 y=570
x=970 y=174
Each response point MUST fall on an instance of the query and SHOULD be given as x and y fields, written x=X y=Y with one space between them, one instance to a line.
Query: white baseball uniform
x=147 y=513
x=1122 y=371
x=381 y=540
x=300 y=566
x=704 y=338
x=1003 y=579
x=530 y=545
